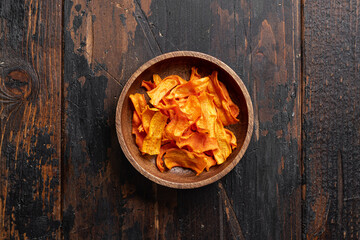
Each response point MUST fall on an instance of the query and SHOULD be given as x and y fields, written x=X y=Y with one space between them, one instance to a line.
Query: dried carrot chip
x=139 y=136
x=139 y=102
x=197 y=142
x=194 y=74
x=225 y=148
x=231 y=138
x=146 y=117
x=162 y=89
x=151 y=85
x=163 y=149
x=182 y=158
x=176 y=127
x=152 y=141
x=227 y=110
x=166 y=104
x=234 y=109
x=191 y=108
x=209 y=162
x=148 y=85
x=193 y=87
x=157 y=79
x=208 y=117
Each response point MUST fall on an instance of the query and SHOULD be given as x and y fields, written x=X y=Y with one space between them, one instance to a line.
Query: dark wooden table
x=63 y=65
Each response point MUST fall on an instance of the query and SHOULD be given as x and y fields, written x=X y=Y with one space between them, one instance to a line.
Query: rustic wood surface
x=331 y=120
x=30 y=119
x=63 y=65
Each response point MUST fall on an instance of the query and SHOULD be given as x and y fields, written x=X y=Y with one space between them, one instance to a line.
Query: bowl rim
x=204 y=182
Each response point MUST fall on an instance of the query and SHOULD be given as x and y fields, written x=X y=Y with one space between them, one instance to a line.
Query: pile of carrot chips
x=184 y=125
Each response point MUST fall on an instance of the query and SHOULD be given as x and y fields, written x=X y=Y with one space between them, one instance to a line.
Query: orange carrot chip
x=198 y=142
x=162 y=89
x=225 y=148
x=182 y=158
x=159 y=161
x=208 y=117
x=152 y=141
x=139 y=136
x=146 y=117
x=139 y=102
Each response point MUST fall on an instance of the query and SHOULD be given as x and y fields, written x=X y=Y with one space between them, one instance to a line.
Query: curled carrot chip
x=225 y=149
x=209 y=161
x=193 y=87
x=198 y=142
x=139 y=136
x=192 y=108
x=208 y=117
x=228 y=111
x=163 y=149
x=139 y=102
x=176 y=127
x=194 y=74
x=146 y=117
x=234 y=109
x=157 y=79
x=182 y=158
x=162 y=89
x=152 y=141
x=148 y=85
x=231 y=138
x=185 y=128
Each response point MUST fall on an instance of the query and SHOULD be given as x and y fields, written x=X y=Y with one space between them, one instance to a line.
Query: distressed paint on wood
x=331 y=127
x=97 y=176
x=30 y=119
x=265 y=186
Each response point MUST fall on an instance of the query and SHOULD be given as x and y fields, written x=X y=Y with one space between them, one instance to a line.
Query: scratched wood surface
x=30 y=119
x=63 y=65
x=331 y=126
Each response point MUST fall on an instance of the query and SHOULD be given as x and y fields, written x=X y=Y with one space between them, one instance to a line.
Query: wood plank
x=103 y=196
x=30 y=119
x=265 y=188
x=331 y=120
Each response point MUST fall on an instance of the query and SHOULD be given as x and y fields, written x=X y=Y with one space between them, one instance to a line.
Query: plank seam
x=62 y=118
x=302 y=110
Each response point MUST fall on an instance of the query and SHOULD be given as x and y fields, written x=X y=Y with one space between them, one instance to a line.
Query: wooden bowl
x=180 y=63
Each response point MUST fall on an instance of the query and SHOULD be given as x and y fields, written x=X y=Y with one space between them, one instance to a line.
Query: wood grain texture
x=331 y=126
x=30 y=119
x=103 y=196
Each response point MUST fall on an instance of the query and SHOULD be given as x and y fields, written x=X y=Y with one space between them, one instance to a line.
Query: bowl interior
x=179 y=177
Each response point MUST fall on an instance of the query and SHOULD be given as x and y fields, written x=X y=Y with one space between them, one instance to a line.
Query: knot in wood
x=18 y=81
